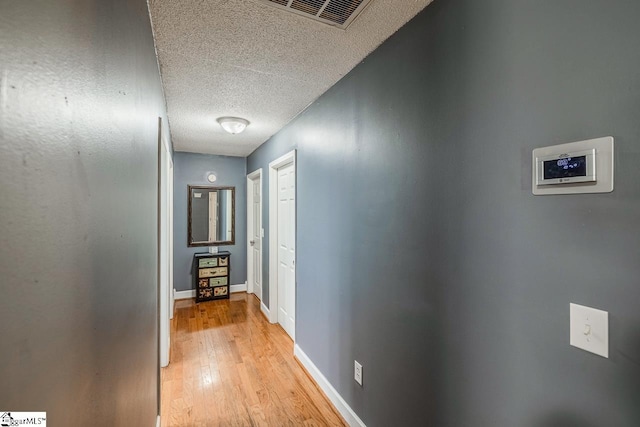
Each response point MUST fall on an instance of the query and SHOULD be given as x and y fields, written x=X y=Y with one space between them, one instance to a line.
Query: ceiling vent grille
x=339 y=13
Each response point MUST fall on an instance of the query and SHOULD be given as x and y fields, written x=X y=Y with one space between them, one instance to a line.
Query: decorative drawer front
x=224 y=260
x=218 y=281
x=205 y=293
x=212 y=272
x=205 y=272
x=208 y=262
x=220 y=290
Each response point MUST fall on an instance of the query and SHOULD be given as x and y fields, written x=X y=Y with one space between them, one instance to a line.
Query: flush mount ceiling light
x=233 y=125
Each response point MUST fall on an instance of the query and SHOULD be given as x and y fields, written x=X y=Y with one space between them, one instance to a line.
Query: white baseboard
x=238 y=288
x=158 y=421
x=345 y=410
x=191 y=293
x=265 y=310
x=173 y=304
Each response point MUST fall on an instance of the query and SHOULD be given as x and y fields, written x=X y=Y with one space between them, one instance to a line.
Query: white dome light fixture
x=233 y=125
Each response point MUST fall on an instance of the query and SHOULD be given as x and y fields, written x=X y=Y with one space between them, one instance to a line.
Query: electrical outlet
x=357 y=372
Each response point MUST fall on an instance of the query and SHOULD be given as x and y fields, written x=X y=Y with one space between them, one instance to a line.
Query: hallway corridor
x=230 y=367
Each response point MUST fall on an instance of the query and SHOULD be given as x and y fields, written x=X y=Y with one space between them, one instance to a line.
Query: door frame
x=165 y=252
x=285 y=160
x=250 y=273
x=170 y=235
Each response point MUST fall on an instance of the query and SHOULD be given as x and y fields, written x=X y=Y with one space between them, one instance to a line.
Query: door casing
x=251 y=178
x=165 y=238
x=284 y=160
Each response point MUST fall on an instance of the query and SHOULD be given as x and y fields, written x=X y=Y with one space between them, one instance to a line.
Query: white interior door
x=256 y=236
x=286 y=248
x=213 y=216
x=229 y=214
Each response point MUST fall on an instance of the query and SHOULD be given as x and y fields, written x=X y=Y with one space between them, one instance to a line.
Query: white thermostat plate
x=573 y=168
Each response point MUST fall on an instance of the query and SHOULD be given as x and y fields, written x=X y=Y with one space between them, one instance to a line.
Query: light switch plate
x=589 y=329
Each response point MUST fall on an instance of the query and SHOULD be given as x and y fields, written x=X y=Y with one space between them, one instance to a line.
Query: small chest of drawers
x=211 y=275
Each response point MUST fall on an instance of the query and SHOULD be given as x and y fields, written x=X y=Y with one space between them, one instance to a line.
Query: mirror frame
x=233 y=216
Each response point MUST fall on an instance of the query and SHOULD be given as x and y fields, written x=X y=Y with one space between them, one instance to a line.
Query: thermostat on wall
x=577 y=167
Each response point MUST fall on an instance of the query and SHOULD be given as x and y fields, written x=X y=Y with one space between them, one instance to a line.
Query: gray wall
x=422 y=252
x=191 y=169
x=80 y=97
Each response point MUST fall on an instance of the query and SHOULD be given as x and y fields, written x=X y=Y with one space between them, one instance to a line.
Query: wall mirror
x=211 y=215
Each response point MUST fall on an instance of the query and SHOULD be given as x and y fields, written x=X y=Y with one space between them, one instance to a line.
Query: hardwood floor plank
x=231 y=367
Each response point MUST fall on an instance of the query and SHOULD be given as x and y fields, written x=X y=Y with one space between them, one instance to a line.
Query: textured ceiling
x=248 y=59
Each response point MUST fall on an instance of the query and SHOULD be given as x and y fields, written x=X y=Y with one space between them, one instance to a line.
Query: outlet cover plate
x=589 y=329
x=357 y=372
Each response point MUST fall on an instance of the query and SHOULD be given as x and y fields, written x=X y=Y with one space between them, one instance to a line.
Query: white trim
x=165 y=228
x=250 y=177
x=238 y=288
x=171 y=290
x=283 y=160
x=288 y=158
x=339 y=403
x=265 y=311
x=249 y=229
x=191 y=293
x=158 y=421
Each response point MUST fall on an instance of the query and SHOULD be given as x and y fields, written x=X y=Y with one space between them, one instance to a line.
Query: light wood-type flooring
x=231 y=367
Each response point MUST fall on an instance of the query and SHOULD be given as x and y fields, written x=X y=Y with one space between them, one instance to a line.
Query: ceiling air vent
x=339 y=13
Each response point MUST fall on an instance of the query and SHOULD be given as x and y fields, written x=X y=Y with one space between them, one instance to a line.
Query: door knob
x=252 y=242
